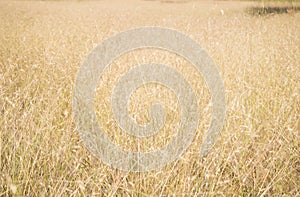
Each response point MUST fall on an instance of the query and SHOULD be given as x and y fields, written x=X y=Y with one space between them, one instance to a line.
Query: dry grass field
x=43 y=44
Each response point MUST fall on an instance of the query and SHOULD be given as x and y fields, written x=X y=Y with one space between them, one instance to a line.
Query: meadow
x=43 y=44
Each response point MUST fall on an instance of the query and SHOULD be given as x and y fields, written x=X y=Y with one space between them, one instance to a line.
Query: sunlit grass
x=42 y=45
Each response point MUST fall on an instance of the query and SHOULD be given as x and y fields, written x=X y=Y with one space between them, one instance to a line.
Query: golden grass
x=42 y=46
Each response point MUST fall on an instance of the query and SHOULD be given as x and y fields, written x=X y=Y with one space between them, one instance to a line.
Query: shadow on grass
x=267 y=10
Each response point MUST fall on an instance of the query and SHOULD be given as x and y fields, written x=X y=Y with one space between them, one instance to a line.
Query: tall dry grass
x=42 y=45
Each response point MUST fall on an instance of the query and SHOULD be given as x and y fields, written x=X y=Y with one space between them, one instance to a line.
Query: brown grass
x=42 y=45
